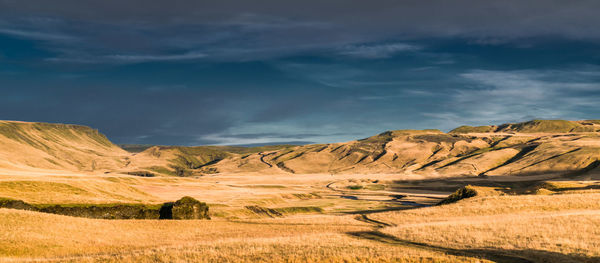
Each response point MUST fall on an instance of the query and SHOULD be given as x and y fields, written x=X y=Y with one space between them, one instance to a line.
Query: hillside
x=56 y=146
x=567 y=148
x=535 y=126
x=531 y=148
x=70 y=147
x=187 y=161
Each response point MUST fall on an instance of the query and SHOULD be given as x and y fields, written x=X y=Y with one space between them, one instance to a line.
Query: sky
x=189 y=72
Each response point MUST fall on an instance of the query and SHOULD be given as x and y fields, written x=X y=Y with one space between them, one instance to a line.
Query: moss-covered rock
x=108 y=211
x=185 y=208
x=189 y=208
x=15 y=204
x=462 y=193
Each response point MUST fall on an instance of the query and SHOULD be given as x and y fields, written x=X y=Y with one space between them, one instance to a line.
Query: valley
x=509 y=195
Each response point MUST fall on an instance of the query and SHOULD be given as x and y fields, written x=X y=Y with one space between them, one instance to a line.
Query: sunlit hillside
x=400 y=196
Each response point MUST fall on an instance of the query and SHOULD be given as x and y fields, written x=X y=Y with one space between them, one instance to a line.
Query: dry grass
x=73 y=190
x=558 y=227
x=30 y=236
x=548 y=228
x=545 y=228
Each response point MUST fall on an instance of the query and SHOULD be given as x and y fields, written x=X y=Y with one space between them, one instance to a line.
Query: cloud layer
x=247 y=72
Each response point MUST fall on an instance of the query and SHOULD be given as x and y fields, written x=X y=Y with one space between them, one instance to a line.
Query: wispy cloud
x=377 y=51
x=128 y=59
x=222 y=139
x=508 y=96
x=36 y=35
x=150 y=58
x=278 y=133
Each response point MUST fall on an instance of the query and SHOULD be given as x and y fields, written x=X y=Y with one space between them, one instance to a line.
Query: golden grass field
x=556 y=225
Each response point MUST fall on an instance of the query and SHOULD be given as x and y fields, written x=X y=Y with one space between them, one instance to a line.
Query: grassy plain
x=324 y=218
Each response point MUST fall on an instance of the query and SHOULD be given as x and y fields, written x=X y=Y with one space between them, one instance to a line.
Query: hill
x=188 y=161
x=433 y=153
x=568 y=148
x=535 y=126
x=57 y=146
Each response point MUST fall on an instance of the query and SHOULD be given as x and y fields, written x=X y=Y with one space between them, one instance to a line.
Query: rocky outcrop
x=189 y=208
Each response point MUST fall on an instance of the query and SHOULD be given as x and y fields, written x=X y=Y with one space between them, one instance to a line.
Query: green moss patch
x=141 y=173
x=355 y=187
x=299 y=210
x=15 y=204
x=189 y=208
x=185 y=208
x=460 y=194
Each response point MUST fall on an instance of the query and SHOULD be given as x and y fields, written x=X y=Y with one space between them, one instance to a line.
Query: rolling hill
x=568 y=148
x=57 y=146
x=535 y=126
x=432 y=153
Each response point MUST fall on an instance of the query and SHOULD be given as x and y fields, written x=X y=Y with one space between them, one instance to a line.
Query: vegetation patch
x=15 y=204
x=460 y=194
x=259 y=210
x=104 y=211
x=161 y=170
x=181 y=171
x=185 y=208
x=299 y=210
x=188 y=208
x=141 y=173
x=355 y=187
x=303 y=196
x=472 y=191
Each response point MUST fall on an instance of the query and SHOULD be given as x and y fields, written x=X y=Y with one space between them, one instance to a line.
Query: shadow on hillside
x=496 y=255
x=587 y=187
x=455 y=183
x=500 y=183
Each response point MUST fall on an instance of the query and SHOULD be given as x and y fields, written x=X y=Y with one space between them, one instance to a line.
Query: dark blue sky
x=257 y=72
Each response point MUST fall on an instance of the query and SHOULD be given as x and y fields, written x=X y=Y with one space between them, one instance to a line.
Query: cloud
x=377 y=51
x=150 y=58
x=492 y=96
x=270 y=29
x=48 y=36
x=295 y=67
x=220 y=139
x=128 y=59
x=491 y=21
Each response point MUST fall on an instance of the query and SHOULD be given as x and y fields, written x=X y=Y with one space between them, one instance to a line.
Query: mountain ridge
x=535 y=126
x=528 y=148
